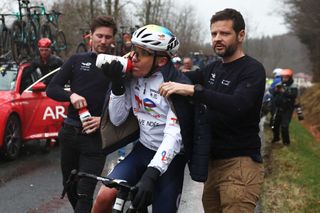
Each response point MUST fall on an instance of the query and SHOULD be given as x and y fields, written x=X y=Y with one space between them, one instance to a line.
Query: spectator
x=284 y=96
x=176 y=62
x=188 y=65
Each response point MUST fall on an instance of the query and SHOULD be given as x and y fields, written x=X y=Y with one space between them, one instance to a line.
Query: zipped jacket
x=184 y=111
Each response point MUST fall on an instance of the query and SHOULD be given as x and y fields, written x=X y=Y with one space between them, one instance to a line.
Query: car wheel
x=12 y=138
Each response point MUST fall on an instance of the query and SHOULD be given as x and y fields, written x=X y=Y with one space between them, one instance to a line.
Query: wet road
x=32 y=184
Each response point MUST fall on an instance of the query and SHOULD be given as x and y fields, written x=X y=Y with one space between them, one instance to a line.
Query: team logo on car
x=58 y=113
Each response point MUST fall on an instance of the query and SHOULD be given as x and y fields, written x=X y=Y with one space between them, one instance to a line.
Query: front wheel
x=5 y=41
x=12 y=138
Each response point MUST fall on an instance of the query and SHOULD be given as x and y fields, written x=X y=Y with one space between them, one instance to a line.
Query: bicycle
x=5 y=35
x=125 y=191
x=38 y=12
x=24 y=34
x=85 y=44
x=50 y=29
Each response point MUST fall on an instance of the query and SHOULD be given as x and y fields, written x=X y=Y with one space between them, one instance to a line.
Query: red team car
x=26 y=113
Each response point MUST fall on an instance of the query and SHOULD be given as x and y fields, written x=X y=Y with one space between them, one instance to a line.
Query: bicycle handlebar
x=125 y=191
x=111 y=183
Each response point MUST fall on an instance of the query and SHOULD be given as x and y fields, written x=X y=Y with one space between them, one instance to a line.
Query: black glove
x=113 y=71
x=145 y=188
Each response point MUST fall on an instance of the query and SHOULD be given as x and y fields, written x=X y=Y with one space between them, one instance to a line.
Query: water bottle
x=84 y=114
x=105 y=58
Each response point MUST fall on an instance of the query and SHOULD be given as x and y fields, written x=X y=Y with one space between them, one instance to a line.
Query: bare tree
x=304 y=20
x=284 y=51
x=181 y=22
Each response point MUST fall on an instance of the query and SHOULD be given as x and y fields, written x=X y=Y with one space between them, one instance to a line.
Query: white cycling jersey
x=159 y=127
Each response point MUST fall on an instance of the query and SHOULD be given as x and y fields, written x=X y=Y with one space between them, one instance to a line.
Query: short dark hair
x=103 y=21
x=230 y=14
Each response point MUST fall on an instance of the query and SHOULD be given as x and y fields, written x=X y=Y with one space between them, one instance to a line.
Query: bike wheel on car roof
x=5 y=41
x=81 y=48
x=60 y=43
x=46 y=31
x=12 y=138
x=16 y=40
x=32 y=39
x=19 y=48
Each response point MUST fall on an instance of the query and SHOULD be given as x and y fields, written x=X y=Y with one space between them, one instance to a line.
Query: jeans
x=282 y=122
x=82 y=152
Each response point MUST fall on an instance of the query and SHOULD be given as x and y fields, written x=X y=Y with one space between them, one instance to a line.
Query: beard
x=228 y=50
x=104 y=49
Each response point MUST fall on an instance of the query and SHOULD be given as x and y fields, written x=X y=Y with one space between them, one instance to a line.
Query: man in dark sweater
x=81 y=146
x=230 y=92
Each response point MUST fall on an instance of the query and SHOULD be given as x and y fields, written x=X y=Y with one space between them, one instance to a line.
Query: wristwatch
x=198 y=88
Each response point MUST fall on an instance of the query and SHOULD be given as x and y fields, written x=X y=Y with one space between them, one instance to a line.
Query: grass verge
x=292 y=182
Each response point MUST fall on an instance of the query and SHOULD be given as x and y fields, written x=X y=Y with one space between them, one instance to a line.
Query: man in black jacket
x=230 y=93
x=284 y=97
x=81 y=146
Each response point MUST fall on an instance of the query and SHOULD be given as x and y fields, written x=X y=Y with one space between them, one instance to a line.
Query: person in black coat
x=229 y=95
x=284 y=96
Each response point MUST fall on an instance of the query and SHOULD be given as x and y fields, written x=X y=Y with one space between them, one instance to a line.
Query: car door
x=42 y=116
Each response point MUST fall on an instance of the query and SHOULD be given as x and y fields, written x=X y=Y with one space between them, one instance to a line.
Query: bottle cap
x=82 y=110
x=129 y=65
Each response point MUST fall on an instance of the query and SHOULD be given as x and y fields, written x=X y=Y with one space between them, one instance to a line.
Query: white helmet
x=156 y=38
x=176 y=60
x=277 y=72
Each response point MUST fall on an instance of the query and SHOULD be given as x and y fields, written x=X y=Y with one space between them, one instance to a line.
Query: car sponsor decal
x=56 y=113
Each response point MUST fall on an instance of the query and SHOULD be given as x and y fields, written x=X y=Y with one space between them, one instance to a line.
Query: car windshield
x=8 y=76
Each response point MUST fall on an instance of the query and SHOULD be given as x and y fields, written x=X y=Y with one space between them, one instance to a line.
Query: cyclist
x=176 y=62
x=46 y=61
x=284 y=96
x=188 y=65
x=156 y=163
